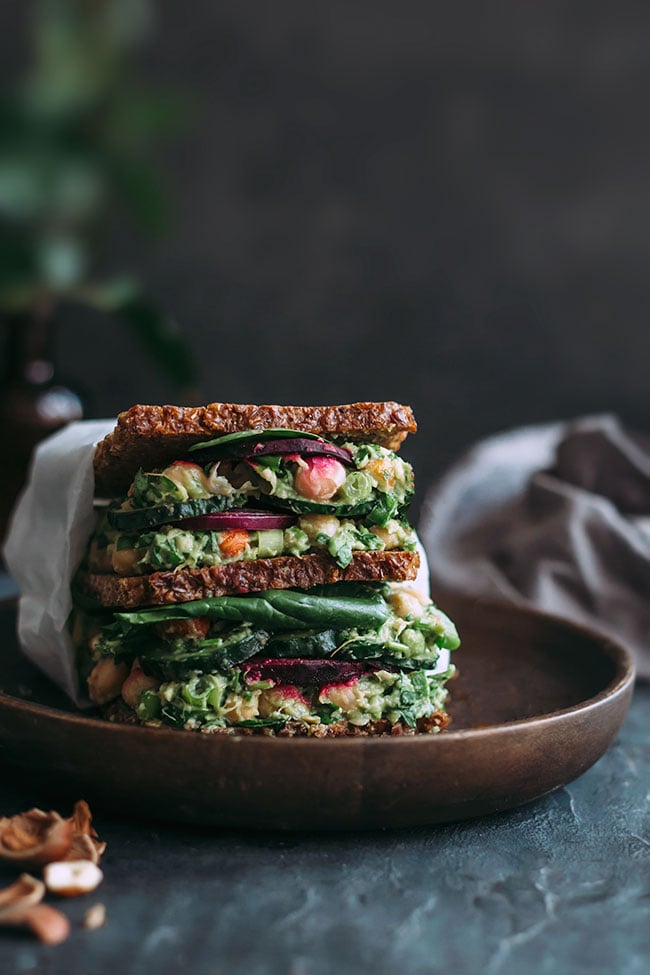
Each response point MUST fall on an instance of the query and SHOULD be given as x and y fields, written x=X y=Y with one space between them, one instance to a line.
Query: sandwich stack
x=252 y=571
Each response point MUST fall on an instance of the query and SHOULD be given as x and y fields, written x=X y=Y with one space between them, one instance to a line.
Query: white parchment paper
x=47 y=538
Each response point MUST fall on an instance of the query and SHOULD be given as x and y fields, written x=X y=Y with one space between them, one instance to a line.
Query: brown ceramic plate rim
x=623 y=677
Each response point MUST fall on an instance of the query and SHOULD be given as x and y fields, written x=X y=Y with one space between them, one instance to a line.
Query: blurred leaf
x=109 y=295
x=62 y=261
x=143 y=193
x=38 y=185
x=18 y=274
x=159 y=335
x=79 y=136
x=129 y=21
x=22 y=187
x=156 y=332
x=80 y=50
x=73 y=63
x=137 y=115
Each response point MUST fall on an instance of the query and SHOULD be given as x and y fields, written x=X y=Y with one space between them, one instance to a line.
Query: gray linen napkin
x=554 y=516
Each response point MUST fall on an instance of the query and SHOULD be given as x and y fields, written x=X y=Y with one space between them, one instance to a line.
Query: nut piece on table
x=23 y=893
x=35 y=838
x=49 y=925
x=71 y=878
x=95 y=917
x=20 y=906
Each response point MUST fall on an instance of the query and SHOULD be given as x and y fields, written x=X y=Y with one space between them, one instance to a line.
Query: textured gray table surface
x=562 y=885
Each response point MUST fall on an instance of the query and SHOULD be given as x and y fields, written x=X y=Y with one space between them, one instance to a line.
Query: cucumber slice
x=204 y=657
x=299 y=506
x=162 y=514
x=310 y=643
x=219 y=447
x=381 y=654
x=365 y=650
x=317 y=644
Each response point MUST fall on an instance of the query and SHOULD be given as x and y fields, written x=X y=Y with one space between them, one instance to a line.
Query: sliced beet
x=249 y=437
x=249 y=449
x=305 y=673
x=297 y=445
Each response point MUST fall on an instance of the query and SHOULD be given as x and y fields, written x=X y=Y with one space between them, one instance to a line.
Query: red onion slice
x=247 y=520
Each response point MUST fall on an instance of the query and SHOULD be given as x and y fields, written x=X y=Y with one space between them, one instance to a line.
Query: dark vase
x=33 y=403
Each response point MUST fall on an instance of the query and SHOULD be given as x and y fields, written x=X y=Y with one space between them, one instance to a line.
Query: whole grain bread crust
x=281 y=572
x=118 y=712
x=152 y=436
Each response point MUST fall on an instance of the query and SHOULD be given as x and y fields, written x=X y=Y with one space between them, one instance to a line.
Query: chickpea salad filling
x=172 y=546
x=323 y=498
x=354 y=653
x=259 y=582
x=358 y=479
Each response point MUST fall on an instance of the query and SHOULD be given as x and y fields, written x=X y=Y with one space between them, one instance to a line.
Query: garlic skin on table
x=71 y=878
x=34 y=838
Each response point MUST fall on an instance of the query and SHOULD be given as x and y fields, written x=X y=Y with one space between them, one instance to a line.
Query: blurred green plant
x=78 y=136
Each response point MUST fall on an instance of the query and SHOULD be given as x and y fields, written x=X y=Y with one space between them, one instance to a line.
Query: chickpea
x=383 y=471
x=189 y=478
x=93 y=641
x=105 y=680
x=408 y=602
x=286 y=700
x=238 y=708
x=135 y=684
x=344 y=696
x=124 y=560
x=314 y=525
x=391 y=534
x=319 y=478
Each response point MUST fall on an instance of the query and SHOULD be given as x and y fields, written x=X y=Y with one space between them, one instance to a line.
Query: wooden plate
x=536 y=703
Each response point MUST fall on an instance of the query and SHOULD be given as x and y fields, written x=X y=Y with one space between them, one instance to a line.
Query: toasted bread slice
x=118 y=712
x=281 y=572
x=152 y=436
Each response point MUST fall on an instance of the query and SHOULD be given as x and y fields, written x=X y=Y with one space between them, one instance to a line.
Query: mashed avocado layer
x=174 y=547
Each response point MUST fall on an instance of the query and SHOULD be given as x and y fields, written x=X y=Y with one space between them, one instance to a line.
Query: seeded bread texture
x=152 y=436
x=120 y=713
x=281 y=572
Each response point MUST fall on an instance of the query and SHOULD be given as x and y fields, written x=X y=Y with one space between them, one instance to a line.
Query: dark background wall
x=445 y=204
